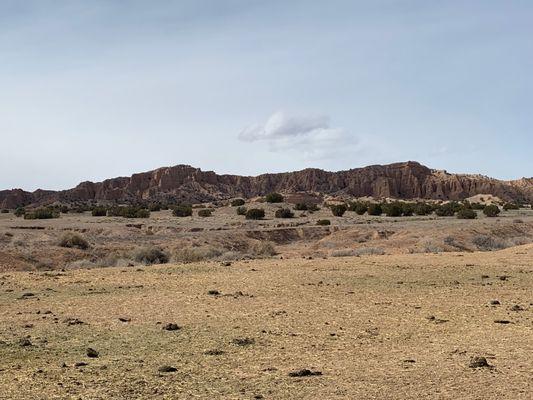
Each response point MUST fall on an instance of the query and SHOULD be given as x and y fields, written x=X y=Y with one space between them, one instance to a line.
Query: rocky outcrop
x=405 y=180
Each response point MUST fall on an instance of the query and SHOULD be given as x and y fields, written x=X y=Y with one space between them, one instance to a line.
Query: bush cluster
x=255 y=213
x=99 y=212
x=510 y=206
x=241 y=210
x=466 y=213
x=274 y=198
x=73 y=240
x=128 y=212
x=206 y=212
x=41 y=213
x=237 y=202
x=151 y=255
x=284 y=213
x=491 y=210
x=323 y=222
x=183 y=210
x=338 y=210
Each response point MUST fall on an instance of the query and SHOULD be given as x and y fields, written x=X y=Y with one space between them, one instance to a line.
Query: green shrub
x=323 y=222
x=129 y=212
x=274 y=198
x=374 y=209
x=392 y=209
x=445 y=210
x=407 y=209
x=154 y=207
x=206 y=212
x=99 y=212
x=360 y=208
x=284 y=213
x=19 y=211
x=301 y=207
x=41 y=213
x=466 y=213
x=477 y=206
x=338 y=210
x=423 y=209
x=182 y=211
x=312 y=207
x=491 y=210
x=511 y=206
x=151 y=255
x=73 y=240
x=241 y=210
x=255 y=213
x=237 y=202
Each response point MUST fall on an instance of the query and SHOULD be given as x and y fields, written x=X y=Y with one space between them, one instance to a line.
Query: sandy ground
x=33 y=244
x=376 y=327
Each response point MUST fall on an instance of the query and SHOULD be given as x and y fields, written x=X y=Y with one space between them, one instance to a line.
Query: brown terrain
x=369 y=307
x=184 y=183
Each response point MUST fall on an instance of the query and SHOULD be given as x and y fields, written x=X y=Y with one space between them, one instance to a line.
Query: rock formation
x=406 y=180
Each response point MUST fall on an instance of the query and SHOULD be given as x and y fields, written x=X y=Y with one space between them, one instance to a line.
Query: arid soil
x=34 y=244
x=404 y=326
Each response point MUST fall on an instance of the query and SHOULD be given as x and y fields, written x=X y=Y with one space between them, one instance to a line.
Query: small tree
x=491 y=210
x=466 y=213
x=20 y=211
x=374 y=209
x=392 y=209
x=274 y=198
x=255 y=213
x=182 y=211
x=338 y=210
x=445 y=210
x=206 y=212
x=510 y=206
x=237 y=202
x=323 y=222
x=360 y=208
x=423 y=209
x=284 y=213
x=99 y=212
x=301 y=207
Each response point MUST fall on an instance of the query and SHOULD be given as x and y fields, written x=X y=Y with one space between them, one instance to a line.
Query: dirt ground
x=33 y=244
x=401 y=326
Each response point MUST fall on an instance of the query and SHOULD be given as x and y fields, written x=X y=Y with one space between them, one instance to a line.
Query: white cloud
x=310 y=136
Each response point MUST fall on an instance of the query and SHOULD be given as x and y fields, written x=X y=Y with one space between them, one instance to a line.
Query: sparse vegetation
x=374 y=209
x=392 y=209
x=99 y=212
x=466 y=213
x=237 y=202
x=41 y=213
x=422 y=208
x=255 y=213
x=491 y=210
x=74 y=240
x=323 y=222
x=206 y=212
x=300 y=207
x=128 y=212
x=445 y=210
x=274 y=198
x=284 y=213
x=338 y=210
x=183 y=210
x=19 y=211
x=511 y=206
x=241 y=210
x=151 y=255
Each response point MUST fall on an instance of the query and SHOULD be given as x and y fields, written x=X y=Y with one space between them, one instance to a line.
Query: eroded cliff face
x=405 y=180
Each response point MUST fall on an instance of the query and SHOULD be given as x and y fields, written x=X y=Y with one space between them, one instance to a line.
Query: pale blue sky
x=97 y=89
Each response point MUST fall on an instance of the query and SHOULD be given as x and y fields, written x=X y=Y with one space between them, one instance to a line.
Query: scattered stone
x=243 y=341
x=24 y=342
x=410 y=361
x=479 y=362
x=495 y=302
x=304 y=372
x=504 y=277
x=26 y=295
x=80 y=364
x=214 y=352
x=517 y=307
x=213 y=293
x=124 y=319
x=502 y=321
x=167 y=368
x=28 y=326
x=226 y=264
x=92 y=353
x=171 y=327
x=73 y=321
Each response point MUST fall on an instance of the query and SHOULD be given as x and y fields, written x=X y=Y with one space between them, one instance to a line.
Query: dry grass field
x=367 y=308
x=372 y=327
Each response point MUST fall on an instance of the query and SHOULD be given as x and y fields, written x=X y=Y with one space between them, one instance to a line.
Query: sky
x=96 y=89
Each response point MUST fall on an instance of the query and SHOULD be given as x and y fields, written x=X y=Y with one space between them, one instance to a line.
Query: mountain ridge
x=184 y=183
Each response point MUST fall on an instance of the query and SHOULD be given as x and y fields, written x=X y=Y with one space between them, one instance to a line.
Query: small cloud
x=310 y=136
